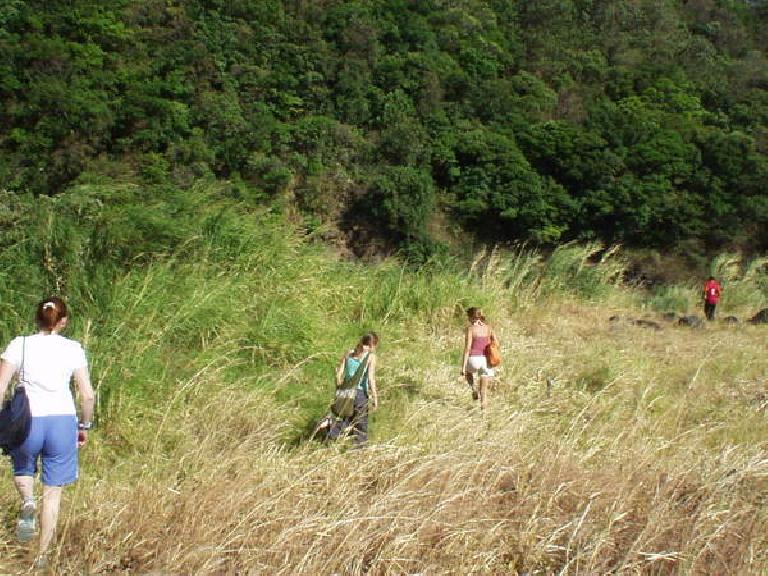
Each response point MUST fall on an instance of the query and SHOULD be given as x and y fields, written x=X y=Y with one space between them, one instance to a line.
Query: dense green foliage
x=644 y=122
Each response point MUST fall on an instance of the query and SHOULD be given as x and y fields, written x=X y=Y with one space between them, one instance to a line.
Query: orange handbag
x=493 y=352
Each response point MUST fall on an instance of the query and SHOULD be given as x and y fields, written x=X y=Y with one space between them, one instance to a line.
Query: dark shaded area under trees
x=641 y=122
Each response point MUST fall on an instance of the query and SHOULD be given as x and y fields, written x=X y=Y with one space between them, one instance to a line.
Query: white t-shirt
x=45 y=363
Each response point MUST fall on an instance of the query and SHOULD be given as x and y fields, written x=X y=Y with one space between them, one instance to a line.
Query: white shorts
x=479 y=365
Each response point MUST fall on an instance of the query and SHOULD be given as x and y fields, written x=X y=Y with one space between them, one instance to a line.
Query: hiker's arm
x=7 y=370
x=374 y=393
x=467 y=347
x=85 y=391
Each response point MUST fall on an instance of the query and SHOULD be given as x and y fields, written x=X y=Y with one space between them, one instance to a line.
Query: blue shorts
x=54 y=438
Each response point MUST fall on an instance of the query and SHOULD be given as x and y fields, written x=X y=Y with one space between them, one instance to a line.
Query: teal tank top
x=350 y=367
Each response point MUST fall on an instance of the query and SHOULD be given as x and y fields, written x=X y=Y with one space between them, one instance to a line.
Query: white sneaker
x=41 y=562
x=27 y=523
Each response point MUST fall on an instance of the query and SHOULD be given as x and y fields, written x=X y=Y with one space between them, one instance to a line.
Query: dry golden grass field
x=608 y=448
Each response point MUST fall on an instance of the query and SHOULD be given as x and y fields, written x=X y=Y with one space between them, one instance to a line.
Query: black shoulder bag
x=15 y=418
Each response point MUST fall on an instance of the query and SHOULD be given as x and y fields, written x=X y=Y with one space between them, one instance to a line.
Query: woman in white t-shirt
x=45 y=364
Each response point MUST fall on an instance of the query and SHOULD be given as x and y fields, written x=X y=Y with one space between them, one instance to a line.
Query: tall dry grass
x=607 y=449
x=642 y=459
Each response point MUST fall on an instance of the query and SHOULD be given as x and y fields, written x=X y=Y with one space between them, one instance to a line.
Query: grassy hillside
x=608 y=447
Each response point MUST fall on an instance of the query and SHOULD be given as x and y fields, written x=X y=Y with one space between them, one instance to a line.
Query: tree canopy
x=636 y=121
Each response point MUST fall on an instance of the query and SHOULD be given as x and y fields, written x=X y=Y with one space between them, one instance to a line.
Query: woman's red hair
x=49 y=312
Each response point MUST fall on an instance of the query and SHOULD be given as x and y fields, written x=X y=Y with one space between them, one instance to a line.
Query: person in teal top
x=365 y=351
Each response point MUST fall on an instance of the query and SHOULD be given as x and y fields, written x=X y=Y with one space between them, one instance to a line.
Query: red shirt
x=712 y=291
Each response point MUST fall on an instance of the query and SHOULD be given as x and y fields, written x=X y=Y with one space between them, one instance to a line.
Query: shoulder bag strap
x=22 y=381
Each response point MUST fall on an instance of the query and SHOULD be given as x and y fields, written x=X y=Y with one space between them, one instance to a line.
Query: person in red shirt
x=712 y=290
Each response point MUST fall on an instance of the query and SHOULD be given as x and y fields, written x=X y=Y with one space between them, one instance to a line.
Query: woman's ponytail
x=50 y=312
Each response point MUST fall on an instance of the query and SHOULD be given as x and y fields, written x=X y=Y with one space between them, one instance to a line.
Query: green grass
x=643 y=454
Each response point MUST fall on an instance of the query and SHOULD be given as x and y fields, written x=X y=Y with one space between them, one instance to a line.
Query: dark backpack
x=15 y=417
x=15 y=421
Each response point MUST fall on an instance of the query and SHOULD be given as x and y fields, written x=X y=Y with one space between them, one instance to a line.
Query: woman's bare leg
x=484 y=385
x=49 y=515
x=25 y=486
x=472 y=386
